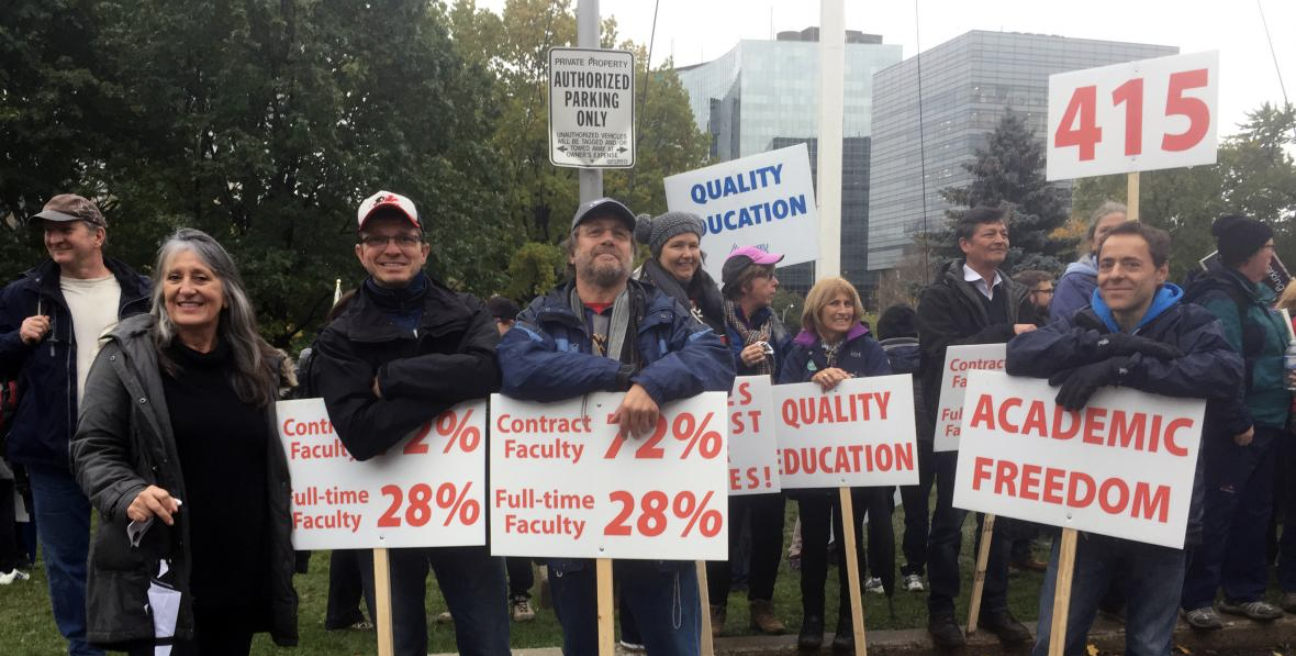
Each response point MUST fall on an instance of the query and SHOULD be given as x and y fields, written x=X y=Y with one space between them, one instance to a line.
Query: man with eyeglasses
x=1040 y=290
x=406 y=349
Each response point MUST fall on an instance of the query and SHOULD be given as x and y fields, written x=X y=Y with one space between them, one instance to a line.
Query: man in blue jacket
x=1136 y=333
x=50 y=322
x=602 y=332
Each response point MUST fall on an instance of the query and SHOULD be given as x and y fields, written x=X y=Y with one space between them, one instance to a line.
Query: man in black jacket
x=406 y=349
x=973 y=302
x=50 y=322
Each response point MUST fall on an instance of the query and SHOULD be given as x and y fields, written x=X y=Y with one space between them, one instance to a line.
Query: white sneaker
x=15 y=575
x=632 y=647
x=874 y=585
x=913 y=583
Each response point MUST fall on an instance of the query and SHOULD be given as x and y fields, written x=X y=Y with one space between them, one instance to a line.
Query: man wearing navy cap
x=405 y=350
x=603 y=332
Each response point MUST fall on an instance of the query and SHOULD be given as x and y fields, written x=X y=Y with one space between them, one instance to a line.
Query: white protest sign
x=563 y=485
x=1123 y=466
x=1138 y=116
x=765 y=200
x=427 y=491
x=753 y=447
x=959 y=361
x=859 y=434
x=591 y=108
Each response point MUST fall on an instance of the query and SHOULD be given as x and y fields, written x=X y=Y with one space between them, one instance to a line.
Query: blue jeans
x=474 y=588
x=1151 y=577
x=1235 y=519
x=63 y=522
x=663 y=597
x=945 y=542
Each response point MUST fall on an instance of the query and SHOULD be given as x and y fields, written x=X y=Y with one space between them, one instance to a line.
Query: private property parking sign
x=591 y=108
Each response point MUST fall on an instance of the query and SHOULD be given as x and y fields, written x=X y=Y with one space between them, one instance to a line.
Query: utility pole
x=587 y=36
x=832 y=73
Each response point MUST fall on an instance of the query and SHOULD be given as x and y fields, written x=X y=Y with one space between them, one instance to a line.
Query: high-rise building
x=764 y=95
x=967 y=84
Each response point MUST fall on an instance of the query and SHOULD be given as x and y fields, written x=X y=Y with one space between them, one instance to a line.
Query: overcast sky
x=701 y=30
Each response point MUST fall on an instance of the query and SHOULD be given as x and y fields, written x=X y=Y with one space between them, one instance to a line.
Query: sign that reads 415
x=1139 y=116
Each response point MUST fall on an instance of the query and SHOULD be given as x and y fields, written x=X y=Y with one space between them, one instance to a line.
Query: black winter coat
x=124 y=444
x=449 y=359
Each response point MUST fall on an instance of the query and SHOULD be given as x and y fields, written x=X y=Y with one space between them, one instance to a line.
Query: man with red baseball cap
x=406 y=349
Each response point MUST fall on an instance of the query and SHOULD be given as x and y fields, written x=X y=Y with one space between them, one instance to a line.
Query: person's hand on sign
x=34 y=329
x=1243 y=439
x=1078 y=385
x=1019 y=328
x=637 y=415
x=1116 y=344
x=153 y=501
x=831 y=377
x=753 y=353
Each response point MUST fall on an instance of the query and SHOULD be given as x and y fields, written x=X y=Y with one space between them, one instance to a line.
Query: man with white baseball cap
x=406 y=349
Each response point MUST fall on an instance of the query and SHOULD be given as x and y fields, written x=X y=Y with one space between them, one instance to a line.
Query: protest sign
x=1136 y=116
x=591 y=108
x=959 y=362
x=428 y=490
x=765 y=200
x=861 y=433
x=753 y=447
x=1276 y=276
x=1122 y=467
x=563 y=484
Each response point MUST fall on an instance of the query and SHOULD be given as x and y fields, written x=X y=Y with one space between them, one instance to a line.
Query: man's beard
x=603 y=275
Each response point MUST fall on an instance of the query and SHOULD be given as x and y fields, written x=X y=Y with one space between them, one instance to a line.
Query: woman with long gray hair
x=176 y=448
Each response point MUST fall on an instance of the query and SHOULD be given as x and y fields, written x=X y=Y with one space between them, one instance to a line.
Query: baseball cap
x=604 y=206
x=386 y=199
x=71 y=207
x=741 y=258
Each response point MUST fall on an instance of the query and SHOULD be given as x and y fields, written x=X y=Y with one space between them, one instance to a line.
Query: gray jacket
x=123 y=444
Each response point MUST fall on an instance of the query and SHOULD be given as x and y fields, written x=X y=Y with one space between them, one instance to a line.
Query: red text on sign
x=1073 y=489
x=1138 y=431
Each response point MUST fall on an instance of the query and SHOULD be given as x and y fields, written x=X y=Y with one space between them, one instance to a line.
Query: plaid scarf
x=765 y=366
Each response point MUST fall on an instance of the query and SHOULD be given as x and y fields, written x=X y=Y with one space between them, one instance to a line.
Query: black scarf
x=702 y=296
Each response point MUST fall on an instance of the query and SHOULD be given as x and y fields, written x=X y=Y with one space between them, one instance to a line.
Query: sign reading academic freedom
x=765 y=200
x=591 y=108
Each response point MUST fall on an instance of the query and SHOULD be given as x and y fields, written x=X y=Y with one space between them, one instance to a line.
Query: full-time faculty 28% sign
x=591 y=108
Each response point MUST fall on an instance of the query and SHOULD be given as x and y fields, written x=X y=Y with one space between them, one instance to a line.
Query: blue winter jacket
x=1075 y=288
x=860 y=356
x=1209 y=369
x=46 y=373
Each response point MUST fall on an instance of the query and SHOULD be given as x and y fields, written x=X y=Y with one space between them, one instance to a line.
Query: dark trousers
x=1235 y=518
x=947 y=540
x=520 y=577
x=345 y=588
x=217 y=632
x=765 y=512
x=914 y=499
x=818 y=510
x=662 y=595
x=1285 y=492
x=8 y=529
x=63 y=521
x=473 y=584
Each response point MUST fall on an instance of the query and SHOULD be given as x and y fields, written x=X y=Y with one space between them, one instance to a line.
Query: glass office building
x=764 y=95
x=966 y=85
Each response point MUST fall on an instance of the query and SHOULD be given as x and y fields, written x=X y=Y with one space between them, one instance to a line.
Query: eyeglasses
x=404 y=242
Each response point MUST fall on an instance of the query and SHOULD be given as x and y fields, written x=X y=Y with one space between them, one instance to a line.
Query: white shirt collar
x=977 y=281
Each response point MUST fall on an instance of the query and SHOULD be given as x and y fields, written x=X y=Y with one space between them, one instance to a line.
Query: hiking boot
x=844 y=640
x=945 y=632
x=1030 y=565
x=1203 y=619
x=522 y=610
x=913 y=583
x=718 y=616
x=1288 y=602
x=1260 y=611
x=812 y=633
x=1003 y=624
x=763 y=618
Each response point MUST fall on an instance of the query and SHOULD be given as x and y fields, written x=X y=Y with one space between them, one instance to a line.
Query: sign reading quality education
x=591 y=108
x=428 y=490
x=765 y=200
x=1122 y=467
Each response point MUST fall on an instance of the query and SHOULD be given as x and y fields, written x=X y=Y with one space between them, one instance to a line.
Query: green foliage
x=789 y=305
x=1009 y=172
x=534 y=270
x=1254 y=175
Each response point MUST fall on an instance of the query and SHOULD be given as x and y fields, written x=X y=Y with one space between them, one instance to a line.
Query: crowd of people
x=143 y=398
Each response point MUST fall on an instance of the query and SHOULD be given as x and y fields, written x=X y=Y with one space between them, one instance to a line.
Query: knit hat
x=898 y=321
x=655 y=232
x=1238 y=237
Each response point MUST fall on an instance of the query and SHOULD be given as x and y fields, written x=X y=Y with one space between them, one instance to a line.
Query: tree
x=534 y=270
x=1009 y=172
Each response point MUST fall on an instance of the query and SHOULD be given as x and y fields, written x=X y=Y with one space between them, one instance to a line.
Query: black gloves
x=1079 y=384
x=1120 y=344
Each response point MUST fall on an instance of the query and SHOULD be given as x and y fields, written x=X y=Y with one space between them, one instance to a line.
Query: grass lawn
x=28 y=627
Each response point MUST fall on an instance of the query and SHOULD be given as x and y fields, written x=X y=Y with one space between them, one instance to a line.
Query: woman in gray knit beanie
x=674 y=239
